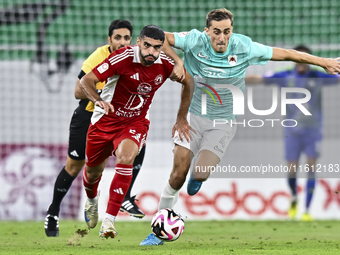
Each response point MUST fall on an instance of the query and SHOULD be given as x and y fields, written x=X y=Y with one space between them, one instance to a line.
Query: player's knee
x=93 y=173
x=181 y=165
x=73 y=167
x=126 y=159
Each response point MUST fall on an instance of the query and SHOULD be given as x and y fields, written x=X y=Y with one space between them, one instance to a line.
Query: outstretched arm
x=331 y=65
x=182 y=125
x=88 y=86
x=178 y=73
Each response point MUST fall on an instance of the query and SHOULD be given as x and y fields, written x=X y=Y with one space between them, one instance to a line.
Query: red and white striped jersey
x=129 y=87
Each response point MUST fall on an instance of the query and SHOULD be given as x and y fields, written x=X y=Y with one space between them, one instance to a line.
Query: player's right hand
x=332 y=66
x=183 y=128
x=104 y=105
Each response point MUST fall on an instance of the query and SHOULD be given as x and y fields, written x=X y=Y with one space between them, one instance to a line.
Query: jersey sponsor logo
x=128 y=114
x=144 y=88
x=133 y=101
x=202 y=56
x=135 y=76
x=102 y=68
x=158 y=79
x=181 y=34
x=212 y=71
x=232 y=59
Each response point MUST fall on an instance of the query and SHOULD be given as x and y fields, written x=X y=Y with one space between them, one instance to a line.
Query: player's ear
x=109 y=40
x=138 y=42
x=206 y=30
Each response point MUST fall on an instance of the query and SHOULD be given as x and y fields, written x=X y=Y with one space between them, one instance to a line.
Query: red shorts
x=100 y=145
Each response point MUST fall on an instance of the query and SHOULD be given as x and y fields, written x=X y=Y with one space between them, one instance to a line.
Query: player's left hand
x=105 y=105
x=178 y=73
x=332 y=65
x=183 y=128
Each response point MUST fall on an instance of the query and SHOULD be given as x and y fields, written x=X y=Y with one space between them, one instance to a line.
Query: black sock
x=61 y=186
x=137 y=164
x=292 y=186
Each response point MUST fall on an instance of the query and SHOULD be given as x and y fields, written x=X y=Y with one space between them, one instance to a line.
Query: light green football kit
x=211 y=70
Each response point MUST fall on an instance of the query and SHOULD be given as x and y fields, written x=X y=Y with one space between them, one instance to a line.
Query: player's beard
x=148 y=62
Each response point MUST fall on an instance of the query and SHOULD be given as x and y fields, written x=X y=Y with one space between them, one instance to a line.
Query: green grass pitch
x=199 y=237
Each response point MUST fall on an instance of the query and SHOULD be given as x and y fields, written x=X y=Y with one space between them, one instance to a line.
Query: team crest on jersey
x=158 y=79
x=102 y=68
x=232 y=59
x=144 y=88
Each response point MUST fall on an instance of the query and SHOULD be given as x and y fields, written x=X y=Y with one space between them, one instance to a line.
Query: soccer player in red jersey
x=119 y=36
x=120 y=122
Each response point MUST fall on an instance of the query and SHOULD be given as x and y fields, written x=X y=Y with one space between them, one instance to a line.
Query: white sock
x=169 y=197
x=92 y=201
x=109 y=217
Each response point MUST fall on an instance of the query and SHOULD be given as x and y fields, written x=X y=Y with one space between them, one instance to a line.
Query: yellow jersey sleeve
x=91 y=62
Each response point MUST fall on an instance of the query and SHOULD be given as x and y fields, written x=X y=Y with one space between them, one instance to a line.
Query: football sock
x=110 y=217
x=310 y=186
x=92 y=201
x=169 y=197
x=91 y=188
x=119 y=186
x=292 y=186
x=61 y=186
x=137 y=164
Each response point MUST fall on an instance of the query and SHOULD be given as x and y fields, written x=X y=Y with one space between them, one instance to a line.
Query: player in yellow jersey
x=120 y=35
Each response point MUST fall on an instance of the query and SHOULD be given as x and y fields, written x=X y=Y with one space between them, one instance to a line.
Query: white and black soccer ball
x=167 y=225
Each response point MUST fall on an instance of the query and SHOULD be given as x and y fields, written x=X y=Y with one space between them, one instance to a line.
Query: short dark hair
x=303 y=48
x=117 y=24
x=218 y=15
x=153 y=32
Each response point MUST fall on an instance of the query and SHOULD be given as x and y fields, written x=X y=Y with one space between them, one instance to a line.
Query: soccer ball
x=167 y=225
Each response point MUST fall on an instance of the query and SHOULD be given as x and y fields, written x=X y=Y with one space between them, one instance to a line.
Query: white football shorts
x=214 y=138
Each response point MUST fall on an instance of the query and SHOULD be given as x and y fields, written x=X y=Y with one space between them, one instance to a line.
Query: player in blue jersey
x=306 y=136
x=215 y=58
